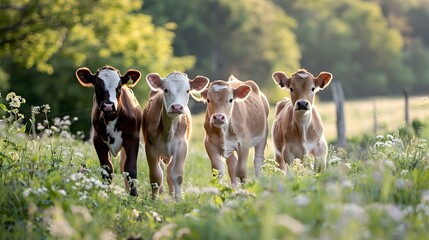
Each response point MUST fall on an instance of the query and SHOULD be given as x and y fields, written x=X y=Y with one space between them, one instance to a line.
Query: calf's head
x=220 y=97
x=108 y=83
x=303 y=87
x=176 y=88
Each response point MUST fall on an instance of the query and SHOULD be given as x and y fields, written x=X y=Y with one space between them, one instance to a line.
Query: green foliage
x=46 y=41
x=51 y=188
x=353 y=40
x=231 y=37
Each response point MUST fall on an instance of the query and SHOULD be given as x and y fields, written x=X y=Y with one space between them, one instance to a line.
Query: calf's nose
x=218 y=118
x=107 y=107
x=302 y=105
x=177 y=108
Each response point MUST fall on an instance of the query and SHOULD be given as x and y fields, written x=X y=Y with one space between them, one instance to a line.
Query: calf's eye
x=208 y=100
x=187 y=91
x=291 y=89
x=313 y=88
x=230 y=100
x=165 y=90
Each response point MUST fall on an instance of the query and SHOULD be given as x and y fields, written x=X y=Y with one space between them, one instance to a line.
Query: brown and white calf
x=235 y=121
x=297 y=128
x=116 y=120
x=167 y=128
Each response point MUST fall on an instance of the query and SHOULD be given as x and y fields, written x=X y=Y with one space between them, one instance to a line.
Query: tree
x=250 y=39
x=44 y=42
x=353 y=40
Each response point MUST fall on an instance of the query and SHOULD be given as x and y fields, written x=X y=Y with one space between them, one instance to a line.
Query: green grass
x=379 y=192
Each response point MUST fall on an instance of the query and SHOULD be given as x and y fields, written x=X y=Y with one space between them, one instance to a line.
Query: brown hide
x=246 y=127
x=297 y=129
x=166 y=140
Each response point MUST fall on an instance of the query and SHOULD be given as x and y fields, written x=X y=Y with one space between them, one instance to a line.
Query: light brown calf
x=236 y=120
x=297 y=128
x=167 y=127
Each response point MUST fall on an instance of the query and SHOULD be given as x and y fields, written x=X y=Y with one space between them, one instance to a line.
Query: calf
x=167 y=127
x=297 y=128
x=236 y=120
x=116 y=120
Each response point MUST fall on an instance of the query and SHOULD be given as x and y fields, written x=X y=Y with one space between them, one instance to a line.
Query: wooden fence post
x=407 y=119
x=338 y=95
x=375 y=116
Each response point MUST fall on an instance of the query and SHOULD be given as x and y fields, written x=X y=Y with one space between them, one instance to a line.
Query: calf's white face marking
x=176 y=93
x=111 y=81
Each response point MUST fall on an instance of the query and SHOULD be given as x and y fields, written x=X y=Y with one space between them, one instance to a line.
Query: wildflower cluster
x=60 y=126
x=85 y=185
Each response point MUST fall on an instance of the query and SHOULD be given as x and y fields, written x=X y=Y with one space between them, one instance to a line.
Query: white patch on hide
x=218 y=87
x=116 y=146
x=111 y=81
x=303 y=75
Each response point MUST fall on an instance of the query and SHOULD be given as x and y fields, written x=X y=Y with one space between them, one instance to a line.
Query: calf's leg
x=231 y=163
x=215 y=158
x=177 y=170
x=155 y=171
x=103 y=156
x=258 y=158
x=241 y=168
x=130 y=165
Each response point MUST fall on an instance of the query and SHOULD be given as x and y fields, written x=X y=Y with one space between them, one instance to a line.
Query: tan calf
x=236 y=120
x=297 y=128
x=167 y=127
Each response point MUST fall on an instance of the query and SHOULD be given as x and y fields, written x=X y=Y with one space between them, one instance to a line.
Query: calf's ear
x=281 y=79
x=199 y=83
x=200 y=96
x=323 y=80
x=154 y=81
x=133 y=75
x=85 y=77
x=242 y=92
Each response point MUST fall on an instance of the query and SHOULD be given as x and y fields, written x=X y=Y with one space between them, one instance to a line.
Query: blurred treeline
x=374 y=47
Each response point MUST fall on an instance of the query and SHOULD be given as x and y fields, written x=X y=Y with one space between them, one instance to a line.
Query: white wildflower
x=334 y=160
x=193 y=190
x=103 y=194
x=404 y=172
x=301 y=200
x=135 y=213
x=35 y=110
x=79 y=155
x=27 y=192
x=211 y=190
x=40 y=127
x=46 y=108
x=62 y=192
x=349 y=165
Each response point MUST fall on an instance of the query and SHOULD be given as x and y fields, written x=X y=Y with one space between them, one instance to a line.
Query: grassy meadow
x=50 y=186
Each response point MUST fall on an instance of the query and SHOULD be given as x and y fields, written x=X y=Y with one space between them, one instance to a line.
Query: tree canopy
x=372 y=46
